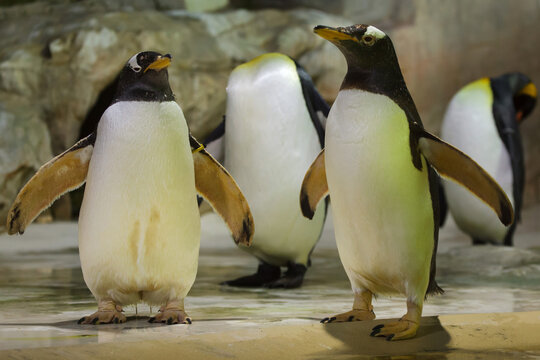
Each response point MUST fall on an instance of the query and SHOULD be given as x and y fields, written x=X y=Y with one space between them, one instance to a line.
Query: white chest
x=139 y=204
x=382 y=206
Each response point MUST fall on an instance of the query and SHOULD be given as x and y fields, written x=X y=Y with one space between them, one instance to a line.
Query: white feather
x=270 y=142
x=139 y=227
x=382 y=208
x=469 y=125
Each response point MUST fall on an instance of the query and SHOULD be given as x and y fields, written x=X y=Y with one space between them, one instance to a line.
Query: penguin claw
x=399 y=330
x=349 y=316
x=171 y=317
x=103 y=317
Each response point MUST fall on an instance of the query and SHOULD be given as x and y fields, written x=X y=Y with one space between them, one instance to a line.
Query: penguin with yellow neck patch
x=378 y=167
x=273 y=118
x=483 y=120
x=139 y=224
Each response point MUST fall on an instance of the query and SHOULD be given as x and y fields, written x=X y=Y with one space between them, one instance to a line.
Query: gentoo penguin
x=139 y=225
x=482 y=119
x=271 y=135
x=378 y=168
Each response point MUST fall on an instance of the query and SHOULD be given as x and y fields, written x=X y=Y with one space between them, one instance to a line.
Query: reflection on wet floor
x=42 y=292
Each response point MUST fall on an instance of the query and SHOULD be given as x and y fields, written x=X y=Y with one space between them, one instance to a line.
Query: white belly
x=382 y=207
x=469 y=126
x=270 y=142
x=139 y=226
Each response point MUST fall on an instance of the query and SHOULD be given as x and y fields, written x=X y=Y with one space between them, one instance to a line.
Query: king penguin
x=139 y=224
x=378 y=168
x=271 y=135
x=483 y=120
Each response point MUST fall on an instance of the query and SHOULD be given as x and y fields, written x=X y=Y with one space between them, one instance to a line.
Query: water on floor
x=42 y=291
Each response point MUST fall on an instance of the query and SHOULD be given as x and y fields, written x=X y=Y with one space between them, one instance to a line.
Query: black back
x=505 y=103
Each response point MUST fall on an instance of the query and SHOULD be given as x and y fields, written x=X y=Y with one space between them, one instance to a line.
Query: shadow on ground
x=431 y=337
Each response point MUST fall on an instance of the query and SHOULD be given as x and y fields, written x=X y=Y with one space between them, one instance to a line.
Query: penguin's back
x=469 y=125
x=139 y=206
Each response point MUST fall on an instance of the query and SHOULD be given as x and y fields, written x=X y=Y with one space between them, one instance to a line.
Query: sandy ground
x=491 y=308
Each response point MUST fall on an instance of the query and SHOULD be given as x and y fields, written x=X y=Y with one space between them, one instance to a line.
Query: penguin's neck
x=386 y=81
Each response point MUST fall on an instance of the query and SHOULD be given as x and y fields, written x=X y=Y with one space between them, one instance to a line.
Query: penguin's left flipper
x=63 y=173
x=218 y=187
x=314 y=187
x=453 y=164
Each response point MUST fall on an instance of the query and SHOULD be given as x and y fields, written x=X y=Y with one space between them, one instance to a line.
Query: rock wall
x=53 y=68
x=55 y=59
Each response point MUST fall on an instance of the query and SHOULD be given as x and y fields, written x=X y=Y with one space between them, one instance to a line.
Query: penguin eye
x=368 y=40
x=136 y=69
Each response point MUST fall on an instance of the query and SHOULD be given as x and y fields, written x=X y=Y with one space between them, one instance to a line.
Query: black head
x=524 y=93
x=362 y=45
x=145 y=78
x=368 y=51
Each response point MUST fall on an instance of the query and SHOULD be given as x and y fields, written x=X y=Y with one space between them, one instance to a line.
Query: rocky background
x=58 y=59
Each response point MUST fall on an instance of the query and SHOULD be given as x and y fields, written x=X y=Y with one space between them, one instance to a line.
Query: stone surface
x=490 y=308
x=56 y=58
x=59 y=64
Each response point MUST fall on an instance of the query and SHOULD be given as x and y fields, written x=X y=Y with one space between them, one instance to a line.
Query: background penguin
x=482 y=119
x=271 y=135
x=139 y=225
x=377 y=167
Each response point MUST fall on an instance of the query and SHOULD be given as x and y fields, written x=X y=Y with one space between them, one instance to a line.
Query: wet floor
x=42 y=292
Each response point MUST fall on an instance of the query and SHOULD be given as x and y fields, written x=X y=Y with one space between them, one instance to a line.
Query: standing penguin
x=271 y=135
x=139 y=226
x=377 y=167
x=482 y=119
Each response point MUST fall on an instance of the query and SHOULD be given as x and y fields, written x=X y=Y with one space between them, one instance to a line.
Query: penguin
x=271 y=133
x=378 y=166
x=139 y=224
x=483 y=120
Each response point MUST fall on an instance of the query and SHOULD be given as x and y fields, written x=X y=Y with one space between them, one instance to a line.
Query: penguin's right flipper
x=314 y=102
x=218 y=187
x=314 y=187
x=63 y=173
x=457 y=166
x=214 y=143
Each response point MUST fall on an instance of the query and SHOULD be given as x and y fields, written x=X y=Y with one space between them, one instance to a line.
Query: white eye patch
x=374 y=32
x=133 y=64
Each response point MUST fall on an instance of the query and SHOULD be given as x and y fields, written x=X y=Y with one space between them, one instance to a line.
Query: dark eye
x=368 y=40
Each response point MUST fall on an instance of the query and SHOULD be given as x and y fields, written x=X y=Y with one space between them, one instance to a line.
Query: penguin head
x=145 y=78
x=524 y=94
x=364 y=46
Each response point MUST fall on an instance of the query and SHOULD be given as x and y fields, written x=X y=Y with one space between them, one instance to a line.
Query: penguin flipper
x=63 y=173
x=218 y=187
x=453 y=164
x=314 y=187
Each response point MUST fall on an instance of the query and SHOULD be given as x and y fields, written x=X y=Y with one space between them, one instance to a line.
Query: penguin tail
x=434 y=289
